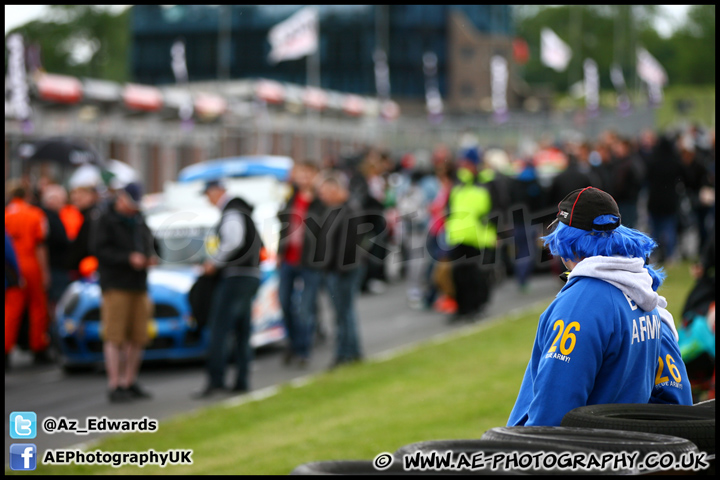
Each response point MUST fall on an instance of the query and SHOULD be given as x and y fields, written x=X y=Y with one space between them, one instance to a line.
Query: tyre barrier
x=491 y=447
x=593 y=439
x=695 y=423
x=346 y=467
x=367 y=467
x=706 y=404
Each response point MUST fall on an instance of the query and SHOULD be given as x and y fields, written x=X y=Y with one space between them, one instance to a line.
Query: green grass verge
x=454 y=388
x=700 y=101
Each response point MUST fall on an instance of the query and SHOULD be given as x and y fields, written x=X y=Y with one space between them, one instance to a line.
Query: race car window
x=181 y=245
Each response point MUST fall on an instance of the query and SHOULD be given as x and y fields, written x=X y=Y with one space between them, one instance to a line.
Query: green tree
x=695 y=47
x=82 y=41
x=612 y=33
x=591 y=31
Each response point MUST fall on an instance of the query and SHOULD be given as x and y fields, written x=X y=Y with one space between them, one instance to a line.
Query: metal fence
x=410 y=134
x=158 y=146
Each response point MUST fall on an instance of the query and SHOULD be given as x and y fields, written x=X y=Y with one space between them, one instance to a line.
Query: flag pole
x=576 y=39
x=224 y=39
x=313 y=80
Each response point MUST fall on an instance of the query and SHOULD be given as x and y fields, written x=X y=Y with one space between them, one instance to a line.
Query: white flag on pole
x=649 y=69
x=179 y=67
x=295 y=37
x=382 y=75
x=592 y=84
x=617 y=77
x=499 y=81
x=652 y=73
x=618 y=80
x=553 y=51
x=433 y=100
x=19 y=106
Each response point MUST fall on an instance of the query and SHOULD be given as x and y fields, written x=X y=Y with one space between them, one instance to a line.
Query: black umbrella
x=65 y=151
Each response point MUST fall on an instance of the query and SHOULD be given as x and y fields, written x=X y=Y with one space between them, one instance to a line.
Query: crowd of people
x=48 y=233
x=449 y=217
x=460 y=204
x=54 y=237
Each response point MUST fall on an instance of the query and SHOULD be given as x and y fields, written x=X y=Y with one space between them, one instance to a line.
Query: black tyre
x=592 y=438
x=690 y=422
x=490 y=448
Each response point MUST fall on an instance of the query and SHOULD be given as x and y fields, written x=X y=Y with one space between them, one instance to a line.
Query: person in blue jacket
x=606 y=338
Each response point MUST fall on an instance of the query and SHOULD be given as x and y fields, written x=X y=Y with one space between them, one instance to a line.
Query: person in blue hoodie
x=606 y=338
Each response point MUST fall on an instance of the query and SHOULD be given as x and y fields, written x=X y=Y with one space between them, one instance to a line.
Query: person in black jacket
x=333 y=245
x=570 y=179
x=86 y=199
x=628 y=179
x=123 y=246
x=52 y=200
x=367 y=188
x=697 y=178
x=235 y=257
x=665 y=173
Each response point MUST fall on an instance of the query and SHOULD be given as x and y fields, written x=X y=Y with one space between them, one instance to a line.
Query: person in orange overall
x=27 y=227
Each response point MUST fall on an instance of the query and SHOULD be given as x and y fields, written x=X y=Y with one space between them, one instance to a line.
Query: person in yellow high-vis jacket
x=468 y=234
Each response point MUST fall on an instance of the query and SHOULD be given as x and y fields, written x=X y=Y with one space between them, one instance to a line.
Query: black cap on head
x=134 y=192
x=211 y=184
x=581 y=207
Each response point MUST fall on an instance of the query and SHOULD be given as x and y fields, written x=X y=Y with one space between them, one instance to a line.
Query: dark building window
x=348 y=39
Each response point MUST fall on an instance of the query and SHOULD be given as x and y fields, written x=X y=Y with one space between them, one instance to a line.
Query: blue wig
x=573 y=243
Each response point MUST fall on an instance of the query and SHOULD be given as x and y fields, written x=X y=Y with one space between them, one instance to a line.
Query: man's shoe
x=119 y=395
x=42 y=358
x=208 y=392
x=338 y=362
x=476 y=315
x=135 y=391
x=377 y=286
x=288 y=357
x=239 y=389
x=456 y=318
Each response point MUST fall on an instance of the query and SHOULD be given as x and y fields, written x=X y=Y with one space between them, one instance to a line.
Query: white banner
x=382 y=75
x=592 y=85
x=433 y=100
x=294 y=38
x=19 y=106
x=617 y=77
x=618 y=80
x=649 y=69
x=651 y=72
x=554 y=52
x=179 y=66
x=499 y=82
